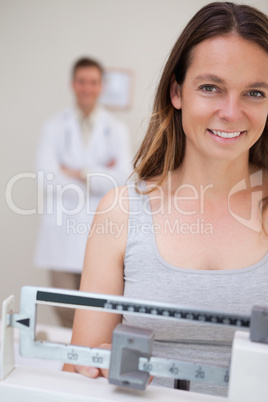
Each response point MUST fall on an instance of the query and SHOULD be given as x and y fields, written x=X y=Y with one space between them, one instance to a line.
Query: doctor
x=83 y=153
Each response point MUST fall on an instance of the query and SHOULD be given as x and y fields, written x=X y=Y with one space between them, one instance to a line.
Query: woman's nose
x=231 y=109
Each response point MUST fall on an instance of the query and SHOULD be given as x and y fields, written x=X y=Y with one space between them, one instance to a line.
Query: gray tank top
x=149 y=277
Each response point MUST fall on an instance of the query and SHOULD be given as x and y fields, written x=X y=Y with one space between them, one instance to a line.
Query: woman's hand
x=94 y=372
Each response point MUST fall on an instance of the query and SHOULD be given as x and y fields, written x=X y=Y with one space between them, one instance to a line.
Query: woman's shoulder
x=114 y=203
x=119 y=202
x=110 y=223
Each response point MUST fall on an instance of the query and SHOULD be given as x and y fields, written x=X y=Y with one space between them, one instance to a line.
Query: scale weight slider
x=259 y=324
x=129 y=344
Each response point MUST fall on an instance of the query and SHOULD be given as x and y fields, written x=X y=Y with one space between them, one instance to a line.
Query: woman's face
x=224 y=97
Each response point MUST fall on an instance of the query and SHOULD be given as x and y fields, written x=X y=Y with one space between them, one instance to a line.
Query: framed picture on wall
x=117 y=89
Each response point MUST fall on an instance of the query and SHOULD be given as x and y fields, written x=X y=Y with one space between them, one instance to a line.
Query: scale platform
x=131 y=360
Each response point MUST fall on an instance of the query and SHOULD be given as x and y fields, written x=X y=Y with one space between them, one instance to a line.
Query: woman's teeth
x=226 y=135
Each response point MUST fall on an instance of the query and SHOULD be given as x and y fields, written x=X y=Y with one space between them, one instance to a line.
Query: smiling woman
x=222 y=105
x=216 y=20
x=203 y=164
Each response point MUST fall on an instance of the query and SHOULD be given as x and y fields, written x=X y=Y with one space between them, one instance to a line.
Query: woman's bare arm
x=103 y=272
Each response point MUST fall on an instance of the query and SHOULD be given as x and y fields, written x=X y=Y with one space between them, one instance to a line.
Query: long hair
x=163 y=147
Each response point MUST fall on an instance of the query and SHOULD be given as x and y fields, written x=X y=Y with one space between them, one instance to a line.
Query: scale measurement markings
x=197 y=372
x=120 y=305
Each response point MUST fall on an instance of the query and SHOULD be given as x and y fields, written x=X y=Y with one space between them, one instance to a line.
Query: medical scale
x=130 y=360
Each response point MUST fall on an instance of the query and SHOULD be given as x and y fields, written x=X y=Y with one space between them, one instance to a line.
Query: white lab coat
x=69 y=204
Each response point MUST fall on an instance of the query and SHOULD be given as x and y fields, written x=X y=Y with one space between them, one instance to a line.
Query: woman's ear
x=175 y=93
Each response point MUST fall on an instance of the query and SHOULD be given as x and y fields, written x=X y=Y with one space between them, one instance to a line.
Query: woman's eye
x=256 y=94
x=208 y=88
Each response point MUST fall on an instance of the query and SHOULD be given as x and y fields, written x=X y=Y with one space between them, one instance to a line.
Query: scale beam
x=119 y=304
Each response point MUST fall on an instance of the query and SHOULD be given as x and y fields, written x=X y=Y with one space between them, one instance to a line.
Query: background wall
x=39 y=40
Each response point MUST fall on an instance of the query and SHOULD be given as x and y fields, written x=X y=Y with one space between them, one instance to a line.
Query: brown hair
x=163 y=147
x=86 y=62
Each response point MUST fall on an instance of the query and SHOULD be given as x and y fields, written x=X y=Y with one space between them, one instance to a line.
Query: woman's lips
x=225 y=135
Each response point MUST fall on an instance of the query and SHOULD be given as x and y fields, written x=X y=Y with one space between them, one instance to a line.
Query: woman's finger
x=91 y=372
x=105 y=372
